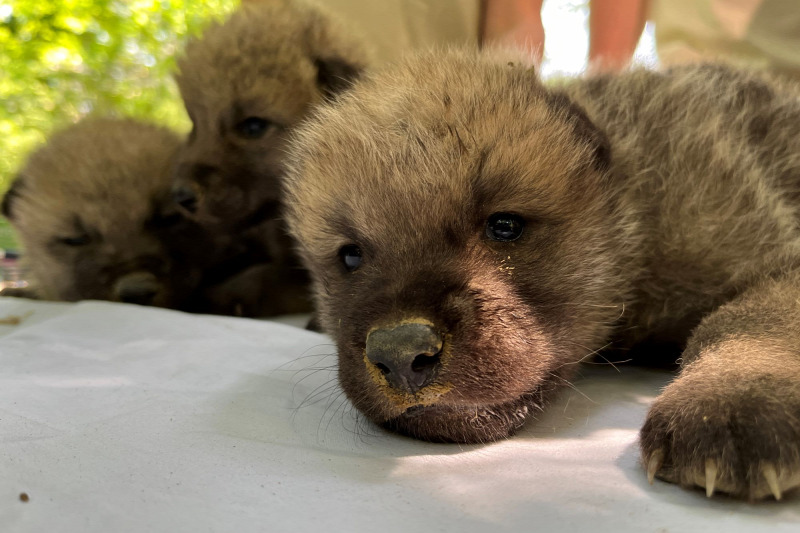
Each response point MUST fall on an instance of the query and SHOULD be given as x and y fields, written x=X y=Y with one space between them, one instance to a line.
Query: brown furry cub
x=471 y=234
x=93 y=211
x=246 y=83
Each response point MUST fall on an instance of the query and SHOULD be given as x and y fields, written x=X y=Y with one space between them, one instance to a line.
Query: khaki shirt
x=762 y=33
x=395 y=27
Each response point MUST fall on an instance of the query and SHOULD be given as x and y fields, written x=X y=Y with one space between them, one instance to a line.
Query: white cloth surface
x=118 y=418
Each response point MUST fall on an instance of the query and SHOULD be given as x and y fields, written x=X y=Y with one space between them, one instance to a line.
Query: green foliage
x=63 y=59
x=7 y=239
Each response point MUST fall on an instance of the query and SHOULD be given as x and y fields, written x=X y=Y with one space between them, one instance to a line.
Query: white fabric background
x=118 y=418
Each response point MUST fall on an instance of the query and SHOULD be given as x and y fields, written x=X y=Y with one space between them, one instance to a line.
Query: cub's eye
x=350 y=255
x=253 y=127
x=78 y=240
x=504 y=227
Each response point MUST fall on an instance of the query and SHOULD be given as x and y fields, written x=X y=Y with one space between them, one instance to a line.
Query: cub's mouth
x=412 y=366
x=466 y=424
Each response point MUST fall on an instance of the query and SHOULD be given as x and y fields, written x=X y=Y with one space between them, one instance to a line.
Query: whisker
x=315 y=395
x=573 y=387
x=588 y=355
x=306 y=355
x=607 y=362
x=342 y=403
x=312 y=372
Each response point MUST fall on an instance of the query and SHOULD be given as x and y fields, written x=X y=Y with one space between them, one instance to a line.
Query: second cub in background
x=246 y=83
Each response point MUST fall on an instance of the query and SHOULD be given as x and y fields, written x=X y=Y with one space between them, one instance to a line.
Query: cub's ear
x=335 y=75
x=13 y=192
x=584 y=128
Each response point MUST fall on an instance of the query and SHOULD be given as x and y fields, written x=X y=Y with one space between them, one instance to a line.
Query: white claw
x=653 y=464
x=769 y=473
x=711 y=476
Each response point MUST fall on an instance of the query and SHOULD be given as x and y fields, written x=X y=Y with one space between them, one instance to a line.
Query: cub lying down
x=94 y=213
x=471 y=234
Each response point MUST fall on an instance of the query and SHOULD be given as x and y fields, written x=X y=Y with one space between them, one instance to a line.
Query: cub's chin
x=460 y=421
x=467 y=425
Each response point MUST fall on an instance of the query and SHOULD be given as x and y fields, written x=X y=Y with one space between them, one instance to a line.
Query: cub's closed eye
x=350 y=256
x=504 y=227
x=78 y=240
x=254 y=127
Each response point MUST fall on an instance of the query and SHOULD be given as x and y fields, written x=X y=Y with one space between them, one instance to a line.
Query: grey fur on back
x=709 y=160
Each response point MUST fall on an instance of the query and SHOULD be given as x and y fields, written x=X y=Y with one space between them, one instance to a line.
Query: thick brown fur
x=94 y=214
x=656 y=206
x=269 y=63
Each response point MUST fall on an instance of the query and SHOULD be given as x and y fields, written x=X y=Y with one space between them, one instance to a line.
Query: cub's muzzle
x=185 y=197
x=408 y=355
x=137 y=288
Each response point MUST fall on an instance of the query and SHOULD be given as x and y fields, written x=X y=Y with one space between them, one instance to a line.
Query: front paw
x=727 y=431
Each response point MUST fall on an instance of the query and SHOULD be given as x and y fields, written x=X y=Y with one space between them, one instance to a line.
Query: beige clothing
x=394 y=27
x=762 y=33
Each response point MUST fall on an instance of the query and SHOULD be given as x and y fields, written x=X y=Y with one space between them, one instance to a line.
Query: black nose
x=408 y=355
x=137 y=288
x=185 y=197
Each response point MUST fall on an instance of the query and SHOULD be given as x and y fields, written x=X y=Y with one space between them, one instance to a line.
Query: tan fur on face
x=106 y=181
x=410 y=171
x=650 y=199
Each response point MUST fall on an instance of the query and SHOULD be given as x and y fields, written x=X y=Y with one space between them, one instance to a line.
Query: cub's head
x=455 y=217
x=245 y=83
x=92 y=209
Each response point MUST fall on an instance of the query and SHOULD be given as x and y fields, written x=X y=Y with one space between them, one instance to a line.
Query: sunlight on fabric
x=482 y=476
x=57 y=382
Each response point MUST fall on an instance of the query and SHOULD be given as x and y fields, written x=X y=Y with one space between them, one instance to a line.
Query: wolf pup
x=471 y=234
x=93 y=211
x=246 y=83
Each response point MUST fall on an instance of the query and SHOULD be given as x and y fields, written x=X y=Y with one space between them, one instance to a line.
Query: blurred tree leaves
x=63 y=59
